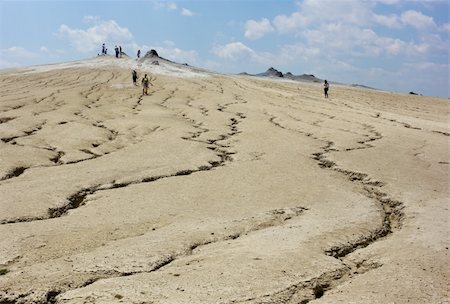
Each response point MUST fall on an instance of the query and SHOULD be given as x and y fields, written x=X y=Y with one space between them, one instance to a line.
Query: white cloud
x=18 y=52
x=312 y=13
x=169 y=43
x=427 y=66
x=17 y=56
x=187 y=13
x=166 y=49
x=417 y=19
x=346 y=11
x=339 y=39
x=111 y=33
x=388 y=1
x=285 y=24
x=446 y=27
x=343 y=66
x=233 y=50
x=92 y=38
x=178 y=55
x=255 y=29
x=172 y=6
x=285 y=55
x=391 y=21
x=294 y=52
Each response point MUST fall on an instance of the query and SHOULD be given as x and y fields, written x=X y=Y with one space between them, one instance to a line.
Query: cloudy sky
x=396 y=45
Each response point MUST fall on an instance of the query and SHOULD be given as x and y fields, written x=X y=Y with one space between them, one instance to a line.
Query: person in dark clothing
x=117 y=51
x=139 y=54
x=326 y=86
x=103 y=49
x=120 y=51
x=135 y=77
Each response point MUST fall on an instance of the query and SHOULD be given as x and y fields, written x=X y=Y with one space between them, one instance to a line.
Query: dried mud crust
x=306 y=291
x=391 y=212
x=78 y=199
x=81 y=197
x=52 y=103
x=302 y=291
x=271 y=218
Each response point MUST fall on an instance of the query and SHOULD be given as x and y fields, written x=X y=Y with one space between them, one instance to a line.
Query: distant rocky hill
x=271 y=72
x=303 y=77
x=274 y=73
x=362 y=86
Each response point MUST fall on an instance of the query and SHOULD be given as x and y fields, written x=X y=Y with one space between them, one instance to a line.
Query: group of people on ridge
x=118 y=51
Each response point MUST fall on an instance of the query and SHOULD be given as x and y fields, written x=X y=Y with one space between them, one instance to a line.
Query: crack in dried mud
x=301 y=292
x=78 y=199
x=14 y=173
x=390 y=209
x=272 y=218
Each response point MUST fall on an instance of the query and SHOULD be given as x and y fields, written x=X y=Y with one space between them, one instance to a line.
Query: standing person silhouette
x=139 y=54
x=135 y=77
x=145 y=84
x=326 y=86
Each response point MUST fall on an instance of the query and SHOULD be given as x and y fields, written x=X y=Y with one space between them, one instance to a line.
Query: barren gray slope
x=219 y=190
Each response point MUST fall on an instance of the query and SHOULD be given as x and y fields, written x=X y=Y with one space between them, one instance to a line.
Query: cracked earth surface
x=219 y=189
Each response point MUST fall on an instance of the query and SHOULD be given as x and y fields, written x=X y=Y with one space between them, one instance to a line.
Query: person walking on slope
x=117 y=51
x=120 y=51
x=139 y=54
x=135 y=77
x=326 y=86
x=145 y=84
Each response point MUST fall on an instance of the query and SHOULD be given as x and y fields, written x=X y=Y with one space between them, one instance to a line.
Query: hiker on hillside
x=117 y=51
x=139 y=54
x=145 y=84
x=135 y=77
x=103 y=49
x=120 y=51
x=326 y=86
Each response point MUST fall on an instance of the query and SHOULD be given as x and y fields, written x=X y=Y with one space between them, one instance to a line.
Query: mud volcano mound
x=151 y=54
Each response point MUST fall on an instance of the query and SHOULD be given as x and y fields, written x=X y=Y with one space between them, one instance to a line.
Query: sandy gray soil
x=218 y=189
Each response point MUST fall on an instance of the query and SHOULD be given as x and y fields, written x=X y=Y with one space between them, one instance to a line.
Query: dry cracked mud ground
x=218 y=189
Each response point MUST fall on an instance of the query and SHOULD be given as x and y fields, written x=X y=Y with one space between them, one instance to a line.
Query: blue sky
x=397 y=45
